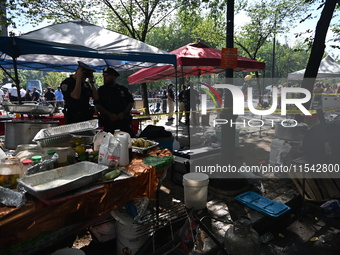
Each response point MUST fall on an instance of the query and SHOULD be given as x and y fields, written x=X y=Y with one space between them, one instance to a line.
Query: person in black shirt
x=171 y=100
x=191 y=97
x=77 y=92
x=49 y=96
x=114 y=104
x=28 y=96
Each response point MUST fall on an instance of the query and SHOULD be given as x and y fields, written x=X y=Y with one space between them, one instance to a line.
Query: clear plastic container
x=27 y=163
x=36 y=159
x=10 y=171
x=242 y=239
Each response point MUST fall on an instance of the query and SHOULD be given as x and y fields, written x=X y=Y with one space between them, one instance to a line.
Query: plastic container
x=130 y=235
x=36 y=159
x=195 y=190
x=242 y=239
x=10 y=171
x=27 y=163
x=116 y=133
x=50 y=153
x=63 y=154
x=124 y=149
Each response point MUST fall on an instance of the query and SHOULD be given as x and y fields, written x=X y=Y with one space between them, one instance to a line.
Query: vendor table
x=56 y=117
x=39 y=224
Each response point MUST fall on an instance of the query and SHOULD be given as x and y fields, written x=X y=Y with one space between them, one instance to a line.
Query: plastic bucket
x=130 y=236
x=195 y=190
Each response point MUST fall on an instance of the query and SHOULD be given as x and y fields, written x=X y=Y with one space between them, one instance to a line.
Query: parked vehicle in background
x=34 y=83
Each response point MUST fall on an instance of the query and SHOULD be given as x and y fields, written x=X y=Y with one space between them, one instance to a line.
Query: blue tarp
x=58 y=48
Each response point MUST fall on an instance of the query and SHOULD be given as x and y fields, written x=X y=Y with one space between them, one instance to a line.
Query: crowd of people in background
x=35 y=95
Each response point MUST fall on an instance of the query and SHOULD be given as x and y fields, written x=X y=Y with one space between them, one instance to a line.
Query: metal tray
x=142 y=149
x=60 y=180
x=66 y=129
x=56 y=141
x=29 y=109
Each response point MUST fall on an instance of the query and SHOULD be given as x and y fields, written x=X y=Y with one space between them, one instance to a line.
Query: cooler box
x=184 y=158
x=165 y=142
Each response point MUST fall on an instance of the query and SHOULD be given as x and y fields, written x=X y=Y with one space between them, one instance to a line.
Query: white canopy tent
x=58 y=48
x=329 y=68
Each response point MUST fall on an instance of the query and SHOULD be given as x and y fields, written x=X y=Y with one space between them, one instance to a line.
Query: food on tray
x=113 y=174
x=142 y=143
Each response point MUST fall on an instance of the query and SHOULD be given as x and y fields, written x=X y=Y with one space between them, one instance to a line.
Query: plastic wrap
x=9 y=197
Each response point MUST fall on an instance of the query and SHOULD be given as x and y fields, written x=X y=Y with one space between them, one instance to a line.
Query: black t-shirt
x=114 y=98
x=171 y=94
x=49 y=95
x=74 y=105
x=181 y=96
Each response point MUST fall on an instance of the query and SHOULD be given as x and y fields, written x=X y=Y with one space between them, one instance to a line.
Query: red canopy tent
x=193 y=59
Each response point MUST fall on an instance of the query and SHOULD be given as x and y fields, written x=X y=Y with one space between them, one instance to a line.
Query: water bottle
x=116 y=133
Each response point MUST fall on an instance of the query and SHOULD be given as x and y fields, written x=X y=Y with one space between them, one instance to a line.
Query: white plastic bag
x=109 y=151
x=98 y=140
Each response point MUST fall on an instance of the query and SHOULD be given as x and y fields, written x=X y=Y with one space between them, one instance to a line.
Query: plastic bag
x=98 y=140
x=109 y=151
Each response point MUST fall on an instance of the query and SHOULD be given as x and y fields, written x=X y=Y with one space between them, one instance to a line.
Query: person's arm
x=94 y=91
x=126 y=111
x=76 y=92
x=111 y=116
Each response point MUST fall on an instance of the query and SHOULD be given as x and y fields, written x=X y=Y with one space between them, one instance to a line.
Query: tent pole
x=176 y=145
x=228 y=131
x=17 y=82
x=8 y=74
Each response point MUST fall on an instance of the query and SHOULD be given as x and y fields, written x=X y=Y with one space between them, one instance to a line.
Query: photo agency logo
x=239 y=103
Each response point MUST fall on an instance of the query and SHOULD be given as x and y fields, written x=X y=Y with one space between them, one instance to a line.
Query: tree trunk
x=145 y=98
x=317 y=51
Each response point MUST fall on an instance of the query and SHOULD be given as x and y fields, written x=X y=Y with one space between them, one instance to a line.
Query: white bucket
x=130 y=235
x=195 y=190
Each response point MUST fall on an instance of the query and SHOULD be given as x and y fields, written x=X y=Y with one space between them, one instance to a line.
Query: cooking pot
x=22 y=132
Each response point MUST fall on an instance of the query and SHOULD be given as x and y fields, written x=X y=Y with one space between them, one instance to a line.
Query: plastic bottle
x=27 y=163
x=50 y=153
x=118 y=131
x=242 y=239
x=36 y=159
x=124 y=149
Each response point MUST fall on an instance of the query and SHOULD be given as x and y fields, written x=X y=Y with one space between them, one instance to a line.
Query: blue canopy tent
x=58 y=48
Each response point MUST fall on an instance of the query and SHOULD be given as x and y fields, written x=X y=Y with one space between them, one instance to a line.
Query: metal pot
x=23 y=132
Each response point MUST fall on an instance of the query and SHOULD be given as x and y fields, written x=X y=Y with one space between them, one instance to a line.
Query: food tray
x=262 y=204
x=66 y=129
x=29 y=109
x=56 y=141
x=60 y=180
x=142 y=149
